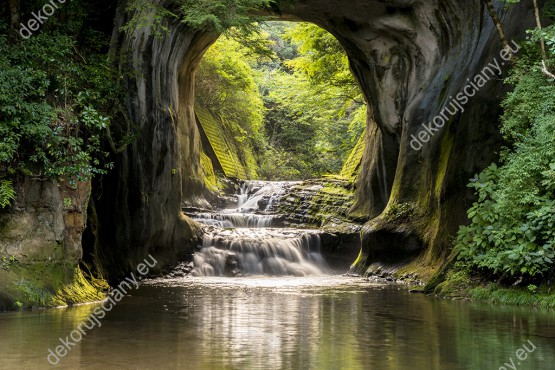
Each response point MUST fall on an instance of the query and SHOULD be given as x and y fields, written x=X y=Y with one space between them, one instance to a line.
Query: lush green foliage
x=221 y=15
x=207 y=15
x=7 y=193
x=300 y=108
x=512 y=232
x=225 y=84
x=315 y=108
x=53 y=88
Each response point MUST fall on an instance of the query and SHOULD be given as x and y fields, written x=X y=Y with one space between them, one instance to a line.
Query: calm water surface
x=283 y=323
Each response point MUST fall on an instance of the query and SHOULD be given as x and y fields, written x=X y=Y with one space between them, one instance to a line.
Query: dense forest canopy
x=296 y=103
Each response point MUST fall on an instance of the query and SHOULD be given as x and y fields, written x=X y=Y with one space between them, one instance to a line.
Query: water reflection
x=283 y=323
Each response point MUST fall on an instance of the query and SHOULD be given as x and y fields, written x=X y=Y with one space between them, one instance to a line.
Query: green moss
x=327 y=207
x=360 y=262
x=333 y=201
x=446 y=148
x=455 y=285
x=397 y=212
x=424 y=196
x=236 y=159
x=47 y=285
x=209 y=176
x=352 y=165
x=420 y=267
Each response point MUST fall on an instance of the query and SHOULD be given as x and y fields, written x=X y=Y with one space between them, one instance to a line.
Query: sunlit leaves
x=221 y=15
x=7 y=193
x=205 y=15
x=225 y=84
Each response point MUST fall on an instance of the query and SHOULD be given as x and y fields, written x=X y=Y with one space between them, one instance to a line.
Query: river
x=282 y=323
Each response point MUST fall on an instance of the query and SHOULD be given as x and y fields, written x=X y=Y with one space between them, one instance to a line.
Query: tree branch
x=498 y=25
x=15 y=16
x=545 y=70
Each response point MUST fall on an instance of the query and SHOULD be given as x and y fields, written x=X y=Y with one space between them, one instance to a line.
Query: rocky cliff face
x=46 y=222
x=139 y=210
x=410 y=58
x=40 y=241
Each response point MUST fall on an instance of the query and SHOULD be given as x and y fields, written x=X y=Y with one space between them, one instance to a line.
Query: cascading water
x=259 y=252
x=243 y=194
x=230 y=220
x=254 y=208
x=241 y=240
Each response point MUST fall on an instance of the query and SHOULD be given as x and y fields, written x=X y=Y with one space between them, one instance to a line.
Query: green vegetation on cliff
x=511 y=237
x=56 y=95
x=58 y=100
x=235 y=161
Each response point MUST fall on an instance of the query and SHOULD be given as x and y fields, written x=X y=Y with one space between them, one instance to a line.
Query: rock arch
x=409 y=57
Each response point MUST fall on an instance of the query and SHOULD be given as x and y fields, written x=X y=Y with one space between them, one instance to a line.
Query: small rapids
x=261 y=195
x=231 y=220
x=244 y=240
x=273 y=252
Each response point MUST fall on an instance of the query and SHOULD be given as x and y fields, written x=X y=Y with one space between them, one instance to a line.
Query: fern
x=7 y=193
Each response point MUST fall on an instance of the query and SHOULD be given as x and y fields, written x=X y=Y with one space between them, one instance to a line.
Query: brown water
x=283 y=323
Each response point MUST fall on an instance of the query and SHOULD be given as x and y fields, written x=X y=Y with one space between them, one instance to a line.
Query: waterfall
x=244 y=240
x=268 y=193
x=243 y=194
x=256 y=200
x=274 y=252
x=229 y=220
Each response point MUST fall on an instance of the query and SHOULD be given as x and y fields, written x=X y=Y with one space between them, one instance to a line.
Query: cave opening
x=401 y=61
x=281 y=123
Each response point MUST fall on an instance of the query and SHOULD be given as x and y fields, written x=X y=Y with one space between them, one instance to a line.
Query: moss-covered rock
x=209 y=174
x=323 y=203
x=40 y=246
x=44 y=284
x=351 y=167
x=235 y=159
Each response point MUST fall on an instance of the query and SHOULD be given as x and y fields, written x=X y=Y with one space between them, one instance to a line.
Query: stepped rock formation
x=409 y=57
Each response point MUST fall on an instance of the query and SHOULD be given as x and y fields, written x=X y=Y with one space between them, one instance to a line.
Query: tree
x=539 y=32
x=315 y=107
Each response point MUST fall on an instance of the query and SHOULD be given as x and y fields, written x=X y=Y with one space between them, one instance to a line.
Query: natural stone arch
x=408 y=57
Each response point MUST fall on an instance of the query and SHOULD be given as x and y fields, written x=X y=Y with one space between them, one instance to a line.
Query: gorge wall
x=409 y=57
x=40 y=245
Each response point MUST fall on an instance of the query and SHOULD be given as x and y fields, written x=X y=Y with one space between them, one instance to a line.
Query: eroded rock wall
x=410 y=58
x=138 y=205
x=45 y=223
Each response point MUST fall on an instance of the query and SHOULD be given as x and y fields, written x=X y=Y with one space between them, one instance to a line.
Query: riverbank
x=461 y=284
x=45 y=285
